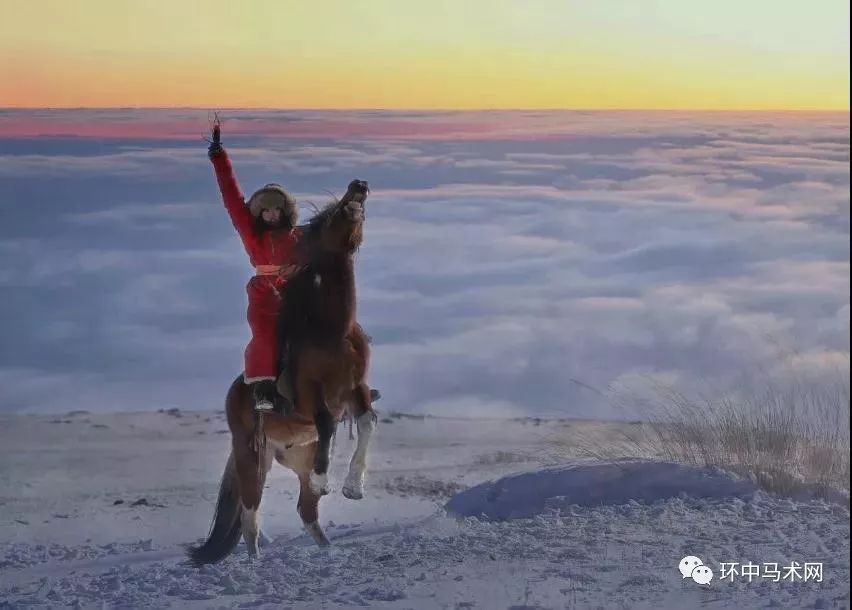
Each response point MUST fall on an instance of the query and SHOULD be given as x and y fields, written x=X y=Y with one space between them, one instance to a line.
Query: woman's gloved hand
x=215 y=143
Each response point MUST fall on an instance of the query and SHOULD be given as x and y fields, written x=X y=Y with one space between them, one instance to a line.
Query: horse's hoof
x=263 y=540
x=353 y=488
x=319 y=484
x=352 y=493
x=317 y=534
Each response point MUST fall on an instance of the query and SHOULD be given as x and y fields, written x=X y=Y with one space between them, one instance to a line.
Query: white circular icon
x=688 y=564
x=692 y=567
x=702 y=575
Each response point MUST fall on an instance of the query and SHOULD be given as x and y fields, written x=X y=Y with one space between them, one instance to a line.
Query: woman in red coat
x=266 y=225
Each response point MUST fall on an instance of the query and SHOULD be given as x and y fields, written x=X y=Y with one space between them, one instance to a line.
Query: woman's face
x=271 y=216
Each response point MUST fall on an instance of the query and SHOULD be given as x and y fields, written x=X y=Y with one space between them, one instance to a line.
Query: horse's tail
x=226 y=528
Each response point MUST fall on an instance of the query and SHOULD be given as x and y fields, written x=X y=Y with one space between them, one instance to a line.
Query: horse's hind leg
x=251 y=531
x=300 y=459
x=308 y=508
x=365 y=419
x=325 y=431
x=252 y=479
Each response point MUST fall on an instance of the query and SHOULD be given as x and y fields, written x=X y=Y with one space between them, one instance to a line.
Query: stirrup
x=264 y=406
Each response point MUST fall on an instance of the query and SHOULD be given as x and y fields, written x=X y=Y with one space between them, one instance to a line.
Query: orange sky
x=750 y=55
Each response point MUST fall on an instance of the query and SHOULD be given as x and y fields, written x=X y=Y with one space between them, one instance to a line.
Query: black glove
x=215 y=143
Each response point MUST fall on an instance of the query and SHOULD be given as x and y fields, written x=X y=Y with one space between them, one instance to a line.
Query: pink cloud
x=152 y=125
x=190 y=124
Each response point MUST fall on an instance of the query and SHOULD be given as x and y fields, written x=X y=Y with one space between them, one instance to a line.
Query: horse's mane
x=298 y=304
x=300 y=293
x=310 y=231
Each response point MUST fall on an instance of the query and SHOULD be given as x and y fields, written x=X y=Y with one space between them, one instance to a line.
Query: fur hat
x=273 y=196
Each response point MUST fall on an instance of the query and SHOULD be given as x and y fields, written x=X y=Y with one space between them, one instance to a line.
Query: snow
x=616 y=482
x=529 y=523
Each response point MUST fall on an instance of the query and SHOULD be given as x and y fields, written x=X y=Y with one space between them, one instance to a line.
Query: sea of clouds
x=514 y=263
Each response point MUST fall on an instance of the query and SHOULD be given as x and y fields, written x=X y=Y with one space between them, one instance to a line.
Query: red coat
x=264 y=291
x=267 y=248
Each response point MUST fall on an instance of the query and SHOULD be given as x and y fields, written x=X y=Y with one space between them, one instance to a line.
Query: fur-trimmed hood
x=274 y=196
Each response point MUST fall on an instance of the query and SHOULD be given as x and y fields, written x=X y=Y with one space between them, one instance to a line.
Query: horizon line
x=436 y=109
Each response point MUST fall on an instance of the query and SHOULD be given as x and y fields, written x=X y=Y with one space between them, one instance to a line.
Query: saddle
x=281 y=407
x=281 y=384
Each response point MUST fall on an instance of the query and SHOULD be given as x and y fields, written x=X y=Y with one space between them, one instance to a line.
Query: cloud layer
x=513 y=259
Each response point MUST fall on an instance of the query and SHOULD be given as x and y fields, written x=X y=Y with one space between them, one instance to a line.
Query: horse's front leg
x=365 y=419
x=325 y=431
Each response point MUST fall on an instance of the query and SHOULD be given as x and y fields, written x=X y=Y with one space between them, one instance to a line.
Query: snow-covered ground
x=95 y=510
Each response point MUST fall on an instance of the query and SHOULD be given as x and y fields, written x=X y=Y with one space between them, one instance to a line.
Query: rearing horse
x=328 y=365
x=329 y=351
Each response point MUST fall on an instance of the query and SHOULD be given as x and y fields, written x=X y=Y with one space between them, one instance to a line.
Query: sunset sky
x=727 y=54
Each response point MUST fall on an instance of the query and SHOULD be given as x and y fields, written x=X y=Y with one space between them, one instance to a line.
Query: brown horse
x=328 y=360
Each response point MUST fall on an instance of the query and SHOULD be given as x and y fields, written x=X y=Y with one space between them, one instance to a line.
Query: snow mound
x=523 y=496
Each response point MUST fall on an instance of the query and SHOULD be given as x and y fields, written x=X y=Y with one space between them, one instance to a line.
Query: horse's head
x=337 y=229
